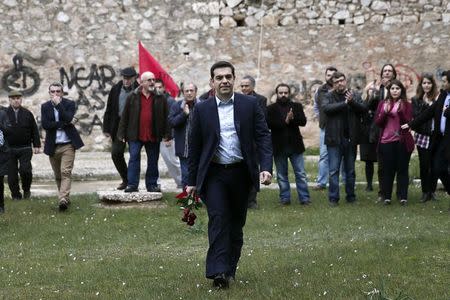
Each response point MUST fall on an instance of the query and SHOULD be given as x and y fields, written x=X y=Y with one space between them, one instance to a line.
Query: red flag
x=148 y=63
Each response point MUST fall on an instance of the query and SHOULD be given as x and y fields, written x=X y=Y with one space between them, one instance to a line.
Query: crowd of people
x=222 y=144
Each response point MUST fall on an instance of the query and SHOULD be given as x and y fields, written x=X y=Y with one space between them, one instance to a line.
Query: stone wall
x=84 y=44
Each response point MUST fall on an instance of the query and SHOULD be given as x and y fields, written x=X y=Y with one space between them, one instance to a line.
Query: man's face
x=223 y=82
x=340 y=84
x=15 y=101
x=328 y=75
x=445 y=84
x=148 y=83
x=128 y=81
x=388 y=73
x=246 y=87
x=159 y=88
x=189 y=93
x=283 y=92
x=55 y=91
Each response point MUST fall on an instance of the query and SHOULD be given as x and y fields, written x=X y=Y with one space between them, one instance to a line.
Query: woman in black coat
x=426 y=93
x=4 y=155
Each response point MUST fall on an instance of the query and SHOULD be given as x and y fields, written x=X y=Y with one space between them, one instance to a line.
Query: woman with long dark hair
x=426 y=93
x=375 y=92
x=395 y=144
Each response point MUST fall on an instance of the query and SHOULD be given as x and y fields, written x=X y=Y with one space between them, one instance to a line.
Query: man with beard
x=144 y=124
x=114 y=108
x=248 y=88
x=322 y=91
x=229 y=140
x=284 y=117
x=343 y=109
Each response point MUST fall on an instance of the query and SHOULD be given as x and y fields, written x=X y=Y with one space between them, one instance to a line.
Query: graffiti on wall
x=21 y=77
x=92 y=87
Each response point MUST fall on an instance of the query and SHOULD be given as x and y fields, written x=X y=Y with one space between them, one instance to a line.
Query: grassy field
x=359 y=251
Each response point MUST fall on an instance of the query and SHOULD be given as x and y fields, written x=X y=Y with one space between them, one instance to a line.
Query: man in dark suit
x=61 y=139
x=228 y=133
x=248 y=84
x=114 y=108
x=440 y=139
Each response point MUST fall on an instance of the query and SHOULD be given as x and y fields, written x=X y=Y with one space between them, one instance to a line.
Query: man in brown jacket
x=144 y=124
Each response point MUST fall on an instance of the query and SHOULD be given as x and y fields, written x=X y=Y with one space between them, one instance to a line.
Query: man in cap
x=23 y=140
x=114 y=108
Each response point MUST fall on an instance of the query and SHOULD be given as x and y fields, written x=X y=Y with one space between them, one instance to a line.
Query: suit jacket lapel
x=213 y=112
x=237 y=108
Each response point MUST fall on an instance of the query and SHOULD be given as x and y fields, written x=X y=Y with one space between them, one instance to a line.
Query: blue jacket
x=66 y=109
x=178 y=121
x=251 y=127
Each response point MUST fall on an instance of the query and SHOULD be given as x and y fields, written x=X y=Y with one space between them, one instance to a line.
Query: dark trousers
x=380 y=173
x=134 y=165
x=19 y=163
x=441 y=166
x=395 y=160
x=252 y=196
x=428 y=179
x=118 y=158
x=184 y=167
x=225 y=195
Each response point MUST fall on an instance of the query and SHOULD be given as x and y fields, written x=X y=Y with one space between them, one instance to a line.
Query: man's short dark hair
x=251 y=79
x=159 y=80
x=221 y=64
x=330 y=68
x=58 y=84
x=337 y=75
x=283 y=84
x=446 y=74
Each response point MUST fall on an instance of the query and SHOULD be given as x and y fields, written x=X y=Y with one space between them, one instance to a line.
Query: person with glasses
x=343 y=109
x=61 y=139
x=284 y=118
x=248 y=88
x=144 y=124
x=23 y=141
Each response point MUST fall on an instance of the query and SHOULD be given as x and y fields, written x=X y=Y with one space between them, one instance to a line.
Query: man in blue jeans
x=284 y=118
x=343 y=109
x=144 y=124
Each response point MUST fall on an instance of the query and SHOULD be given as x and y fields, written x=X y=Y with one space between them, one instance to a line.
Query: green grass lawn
x=292 y=252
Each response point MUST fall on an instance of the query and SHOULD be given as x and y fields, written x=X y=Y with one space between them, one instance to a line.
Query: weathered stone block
x=228 y=22
x=342 y=15
x=121 y=197
x=430 y=16
x=233 y=3
x=380 y=5
x=393 y=19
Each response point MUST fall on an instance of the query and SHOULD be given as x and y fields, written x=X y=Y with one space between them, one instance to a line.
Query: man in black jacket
x=114 y=108
x=284 y=117
x=24 y=135
x=343 y=109
x=248 y=88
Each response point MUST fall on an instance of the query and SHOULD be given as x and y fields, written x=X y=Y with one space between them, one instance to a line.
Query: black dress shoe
x=2 y=210
x=27 y=195
x=122 y=186
x=131 y=189
x=154 y=189
x=63 y=205
x=221 y=281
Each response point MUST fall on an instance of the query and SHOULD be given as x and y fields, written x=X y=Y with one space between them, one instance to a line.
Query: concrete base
x=120 y=197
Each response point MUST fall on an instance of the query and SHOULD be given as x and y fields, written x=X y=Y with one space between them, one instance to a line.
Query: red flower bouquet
x=188 y=202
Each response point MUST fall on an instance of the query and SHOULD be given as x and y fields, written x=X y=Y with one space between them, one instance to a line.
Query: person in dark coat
x=61 y=140
x=284 y=118
x=114 y=108
x=23 y=141
x=4 y=155
x=180 y=118
x=248 y=84
x=343 y=109
x=226 y=158
x=439 y=111
x=375 y=92
x=426 y=94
